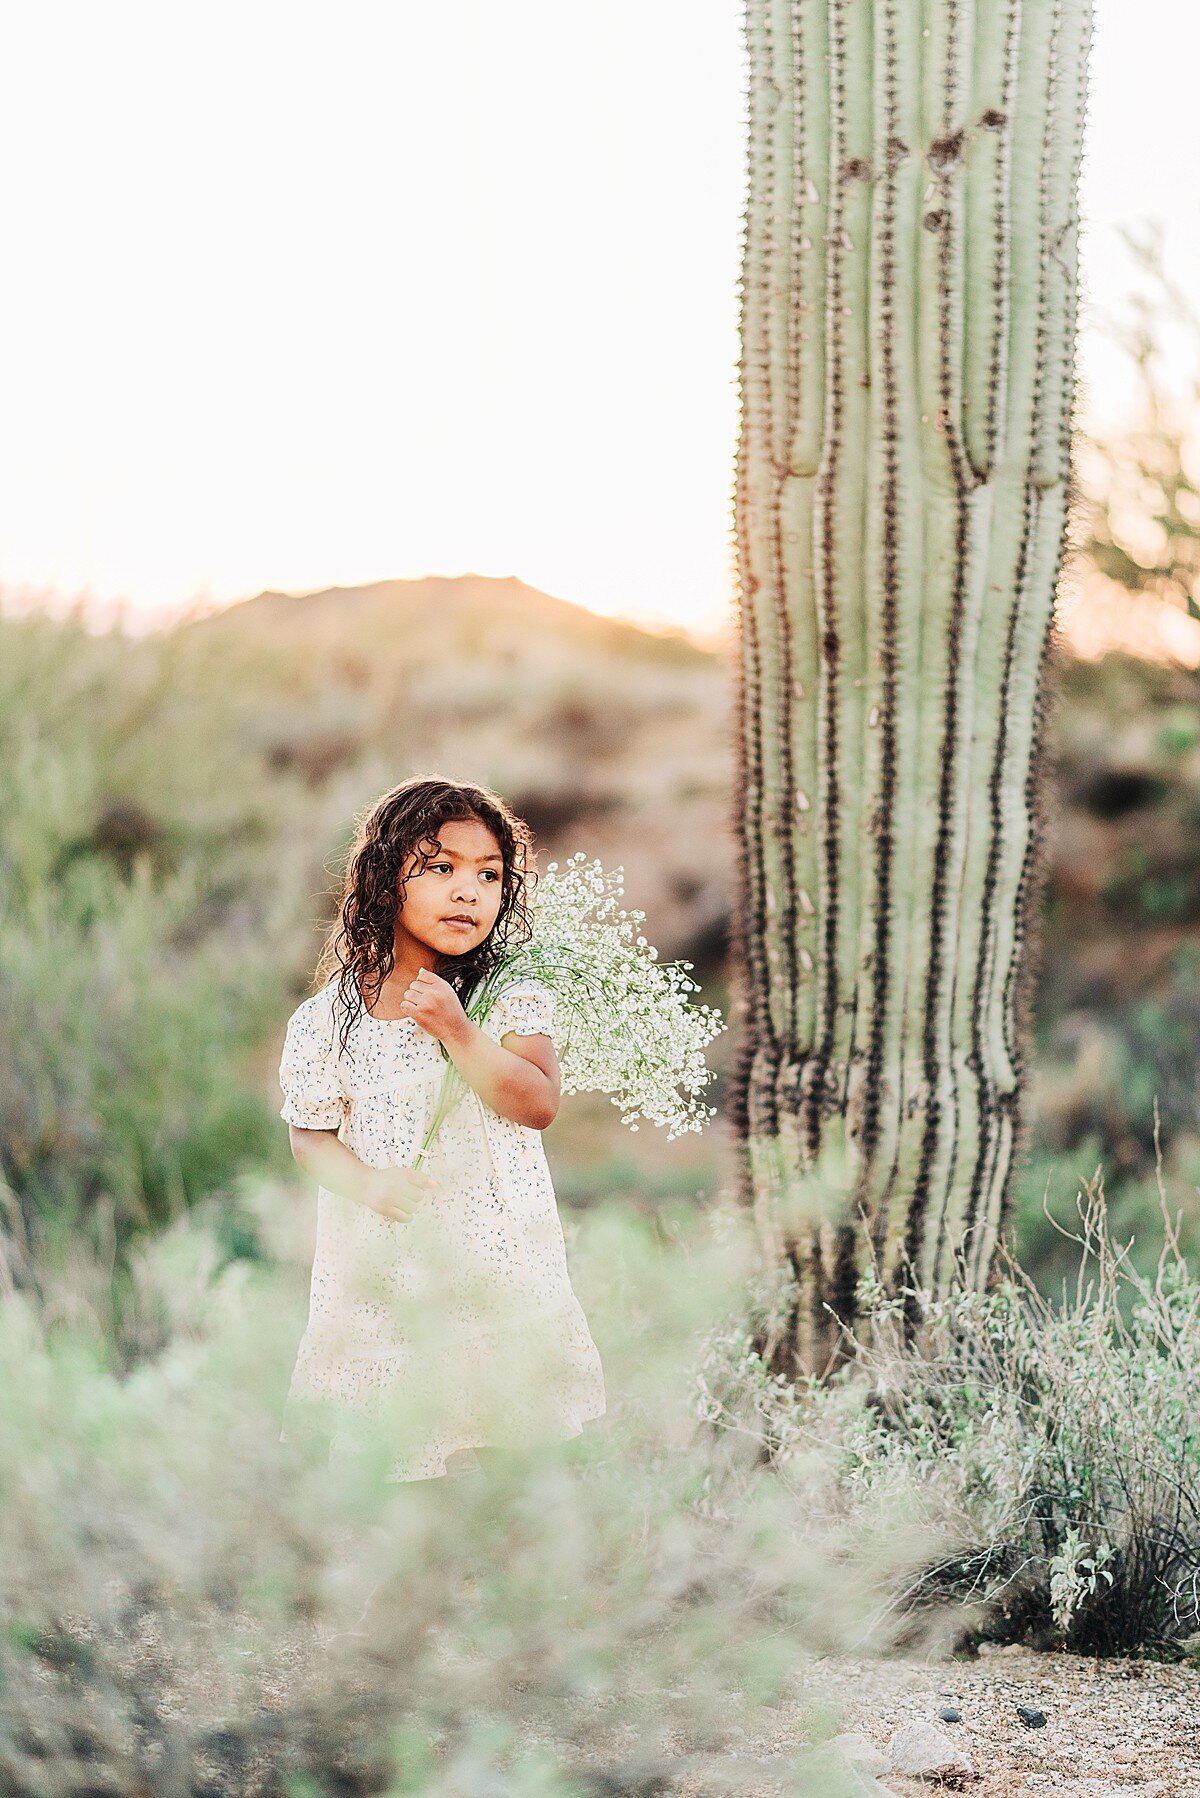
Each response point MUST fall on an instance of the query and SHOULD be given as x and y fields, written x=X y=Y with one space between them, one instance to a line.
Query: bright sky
x=301 y=296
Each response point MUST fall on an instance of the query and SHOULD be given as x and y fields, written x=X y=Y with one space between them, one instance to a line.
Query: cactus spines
x=908 y=316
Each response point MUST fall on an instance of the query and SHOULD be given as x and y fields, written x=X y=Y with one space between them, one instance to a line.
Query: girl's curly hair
x=403 y=822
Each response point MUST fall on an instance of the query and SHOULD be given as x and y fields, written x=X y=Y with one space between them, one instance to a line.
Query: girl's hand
x=396 y=1192
x=435 y=1005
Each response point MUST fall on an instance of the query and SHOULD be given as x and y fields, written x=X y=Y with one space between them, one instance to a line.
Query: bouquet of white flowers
x=629 y=1031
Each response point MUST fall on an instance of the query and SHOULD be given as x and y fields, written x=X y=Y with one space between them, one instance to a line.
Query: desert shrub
x=1045 y=1208
x=1055 y=1446
x=1116 y=1075
x=191 y=1607
x=143 y=945
x=123 y=1096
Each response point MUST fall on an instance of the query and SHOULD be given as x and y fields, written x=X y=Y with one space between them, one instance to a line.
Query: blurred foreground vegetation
x=193 y=1610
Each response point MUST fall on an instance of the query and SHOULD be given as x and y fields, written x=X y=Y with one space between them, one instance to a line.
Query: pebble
x=949 y=1715
x=920 y=1751
x=1031 y=1718
x=861 y=1753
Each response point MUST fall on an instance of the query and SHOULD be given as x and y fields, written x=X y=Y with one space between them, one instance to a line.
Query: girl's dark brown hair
x=403 y=822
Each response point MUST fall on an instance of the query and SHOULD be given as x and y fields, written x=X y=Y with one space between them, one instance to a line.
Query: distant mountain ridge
x=602 y=734
x=489 y=609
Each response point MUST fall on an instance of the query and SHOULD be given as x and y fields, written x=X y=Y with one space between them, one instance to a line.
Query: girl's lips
x=464 y=923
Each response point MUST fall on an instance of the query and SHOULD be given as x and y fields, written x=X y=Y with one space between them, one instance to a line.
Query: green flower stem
x=453 y=1085
x=601 y=979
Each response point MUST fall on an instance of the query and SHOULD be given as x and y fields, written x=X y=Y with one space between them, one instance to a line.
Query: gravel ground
x=1111 y=1726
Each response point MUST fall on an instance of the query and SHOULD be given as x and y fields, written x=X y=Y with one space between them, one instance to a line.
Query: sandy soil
x=1111 y=1726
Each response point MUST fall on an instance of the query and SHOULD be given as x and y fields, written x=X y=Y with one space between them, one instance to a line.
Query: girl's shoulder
x=526 y=1005
x=317 y=1011
x=524 y=983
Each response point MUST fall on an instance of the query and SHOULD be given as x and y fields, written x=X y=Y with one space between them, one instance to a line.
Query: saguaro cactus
x=908 y=317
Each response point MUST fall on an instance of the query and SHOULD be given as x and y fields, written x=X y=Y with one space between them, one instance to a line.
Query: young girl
x=440 y=1302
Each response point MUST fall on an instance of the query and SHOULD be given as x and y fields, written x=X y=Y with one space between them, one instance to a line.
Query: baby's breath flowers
x=626 y=1027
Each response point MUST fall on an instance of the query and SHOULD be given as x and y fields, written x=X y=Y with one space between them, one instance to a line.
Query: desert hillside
x=179 y=804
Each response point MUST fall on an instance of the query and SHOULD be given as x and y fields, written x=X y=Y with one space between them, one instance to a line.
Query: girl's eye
x=436 y=865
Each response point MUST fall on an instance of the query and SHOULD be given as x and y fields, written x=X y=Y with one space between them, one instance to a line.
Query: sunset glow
x=311 y=298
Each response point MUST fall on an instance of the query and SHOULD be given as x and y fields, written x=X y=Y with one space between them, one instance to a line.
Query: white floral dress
x=461 y=1326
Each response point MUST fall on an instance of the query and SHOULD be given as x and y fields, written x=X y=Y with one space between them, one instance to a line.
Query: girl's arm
x=521 y=1083
x=392 y=1191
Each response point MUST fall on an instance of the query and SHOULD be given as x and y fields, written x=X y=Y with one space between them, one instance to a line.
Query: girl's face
x=463 y=880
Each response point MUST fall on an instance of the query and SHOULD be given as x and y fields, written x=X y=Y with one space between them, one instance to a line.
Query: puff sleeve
x=528 y=1008
x=313 y=1097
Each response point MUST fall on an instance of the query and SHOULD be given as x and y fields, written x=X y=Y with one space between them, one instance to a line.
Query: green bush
x=141 y=949
x=1045 y=1202
x=123 y=1096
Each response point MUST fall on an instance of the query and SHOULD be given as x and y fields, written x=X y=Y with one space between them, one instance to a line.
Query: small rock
x=920 y=1751
x=1031 y=1718
x=861 y=1753
x=948 y=1714
x=845 y=1760
x=1126 y=1757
